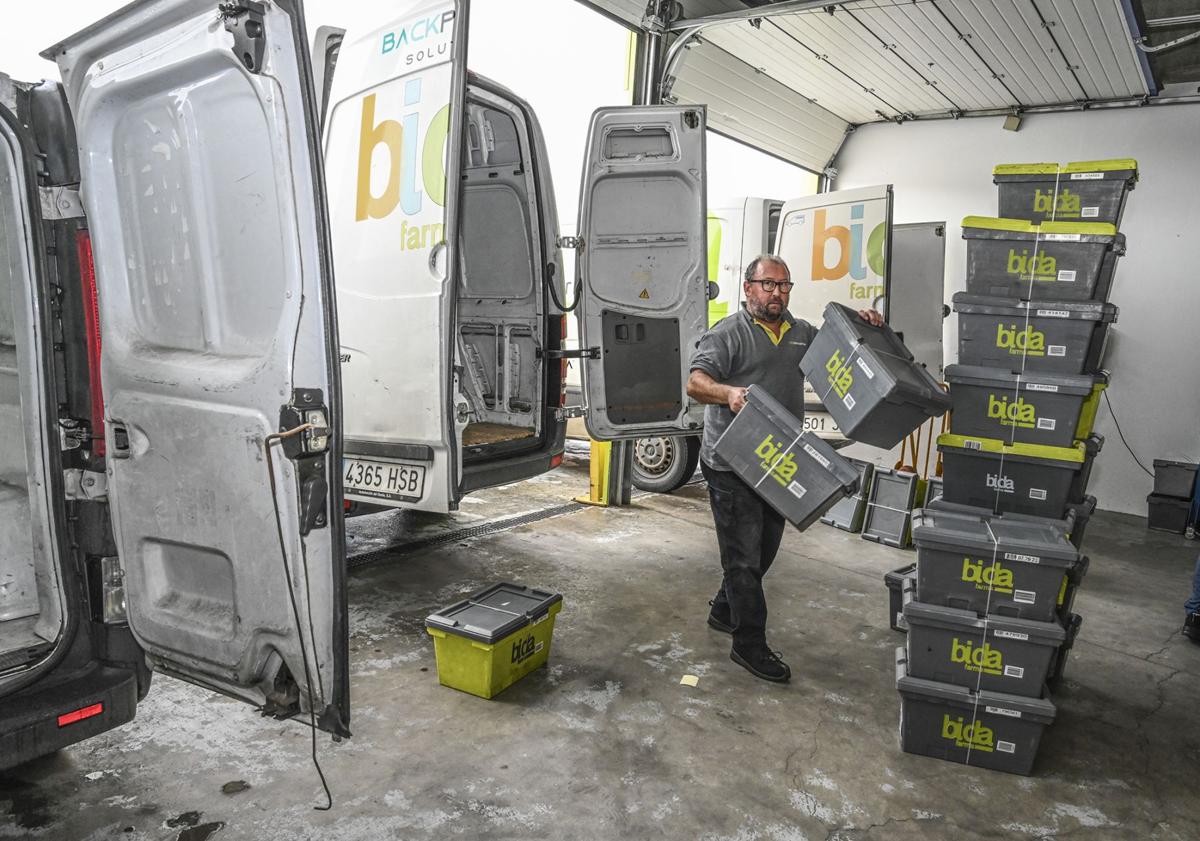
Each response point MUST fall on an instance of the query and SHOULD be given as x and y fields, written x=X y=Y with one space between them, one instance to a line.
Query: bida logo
x=1027 y=341
x=982 y=659
x=854 y=255
x=998 y=482
x=523 y=649
x=1066 y=205
x=405 y=149
x=995 y=577
x=975 y=736
x=782 y=470
x=841 y=376
x=1037 y=266
x=1018 y=413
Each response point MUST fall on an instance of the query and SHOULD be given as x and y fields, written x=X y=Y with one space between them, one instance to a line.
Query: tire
x=662 y=464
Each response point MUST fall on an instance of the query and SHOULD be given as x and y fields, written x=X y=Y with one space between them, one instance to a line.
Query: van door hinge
x=60 y=203
x=570 y=242
x=244 y=20
x=563 y=413
x=85 y=484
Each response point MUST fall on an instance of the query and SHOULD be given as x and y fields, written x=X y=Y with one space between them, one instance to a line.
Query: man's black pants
x=748 y=534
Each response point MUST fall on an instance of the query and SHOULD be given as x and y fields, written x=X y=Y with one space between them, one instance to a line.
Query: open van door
x=201 y=177
x=393 y=124
x=643 y=265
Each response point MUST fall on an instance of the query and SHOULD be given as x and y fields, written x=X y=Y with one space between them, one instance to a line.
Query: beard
x=763 y=311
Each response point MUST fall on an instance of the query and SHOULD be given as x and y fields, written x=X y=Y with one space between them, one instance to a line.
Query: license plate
x=383 y=479
x=822 y=424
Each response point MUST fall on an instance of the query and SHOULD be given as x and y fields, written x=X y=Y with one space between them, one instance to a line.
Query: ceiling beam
x=784 y=7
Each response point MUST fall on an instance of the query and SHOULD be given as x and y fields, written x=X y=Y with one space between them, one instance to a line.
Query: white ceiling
x=792 y=83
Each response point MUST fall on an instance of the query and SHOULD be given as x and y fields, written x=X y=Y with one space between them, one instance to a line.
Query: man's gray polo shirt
x=737 y=351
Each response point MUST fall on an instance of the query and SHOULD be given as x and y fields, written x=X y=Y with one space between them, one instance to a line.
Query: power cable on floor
x=287 y=572
x=1122 y=434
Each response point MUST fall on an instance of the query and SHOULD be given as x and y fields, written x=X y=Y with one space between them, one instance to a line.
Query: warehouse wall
x=942 y=172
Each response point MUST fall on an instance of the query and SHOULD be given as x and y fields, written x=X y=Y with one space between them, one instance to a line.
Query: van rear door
x=644 y=268
x=203 y=184
x=396 y=105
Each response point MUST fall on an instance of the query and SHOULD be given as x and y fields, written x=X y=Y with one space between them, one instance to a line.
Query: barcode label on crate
x=1054 y=314
x=1056 y=350
x=1046 y=423
x=1025 y=559
x=849 y=401
x=1024 y=596
x=1003 y=711
x=1038 y=494
x=1086 y=176
x=866 y=369
x=1006 y=747
x=1067 y=276
x=1011 y=635
x=797 y=490
x=1062 y=237
x=1014 y=671
x=808 y=448
x=1090 y=212
x=1041 y=387
x=973 y=445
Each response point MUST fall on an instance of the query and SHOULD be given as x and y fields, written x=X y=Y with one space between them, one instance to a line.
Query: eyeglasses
x=772 y=285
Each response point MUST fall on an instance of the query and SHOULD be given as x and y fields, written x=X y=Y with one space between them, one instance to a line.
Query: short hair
x=752 y=268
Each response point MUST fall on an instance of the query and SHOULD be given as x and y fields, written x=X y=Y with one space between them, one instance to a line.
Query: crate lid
x=965 y=302
x=1075 y=454
x=1182 y=465
x=1090 y=230
x=1037 y=710
x=978 y=375
x=894 y=372
x=984 y=627
x=1025 y=169
x=895 y=579
x=492 y=614
x=1021 y=540
x=1077 y=512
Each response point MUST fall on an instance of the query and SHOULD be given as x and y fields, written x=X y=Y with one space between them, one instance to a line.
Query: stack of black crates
x=988 y=608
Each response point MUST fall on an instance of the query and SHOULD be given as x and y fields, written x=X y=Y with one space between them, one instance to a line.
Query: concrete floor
x=606 y=743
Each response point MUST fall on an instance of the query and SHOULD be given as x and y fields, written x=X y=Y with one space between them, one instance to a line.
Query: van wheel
x=664 y=463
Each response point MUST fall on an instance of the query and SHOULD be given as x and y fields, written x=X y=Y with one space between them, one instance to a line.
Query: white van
x=486 y=319
x=171 y=474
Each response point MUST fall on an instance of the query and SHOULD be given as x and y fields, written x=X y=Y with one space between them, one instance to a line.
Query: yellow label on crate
x=841 y=375
x=996 y=577
x=976 y=736
x=974 y=658
x=782 y=470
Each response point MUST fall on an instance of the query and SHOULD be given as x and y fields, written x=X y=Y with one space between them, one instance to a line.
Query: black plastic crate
x=1174 y=478
x=1168 y=513
x=847 y=514
x=893 y=497
x=1082 y=191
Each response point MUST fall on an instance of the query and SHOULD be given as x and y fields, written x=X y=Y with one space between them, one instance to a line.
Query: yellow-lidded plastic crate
x=488 y=642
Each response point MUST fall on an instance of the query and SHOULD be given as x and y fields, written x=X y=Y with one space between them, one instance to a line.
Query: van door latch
x=59 y=203
x=244 y=20
x=308 y=450
x=581 y=353
x=570 y=242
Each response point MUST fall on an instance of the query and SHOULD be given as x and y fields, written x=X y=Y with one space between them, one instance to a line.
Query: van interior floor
x=605 y=742
x=494 y=433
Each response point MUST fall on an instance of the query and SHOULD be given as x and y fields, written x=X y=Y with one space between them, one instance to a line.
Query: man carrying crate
x=760 y=345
